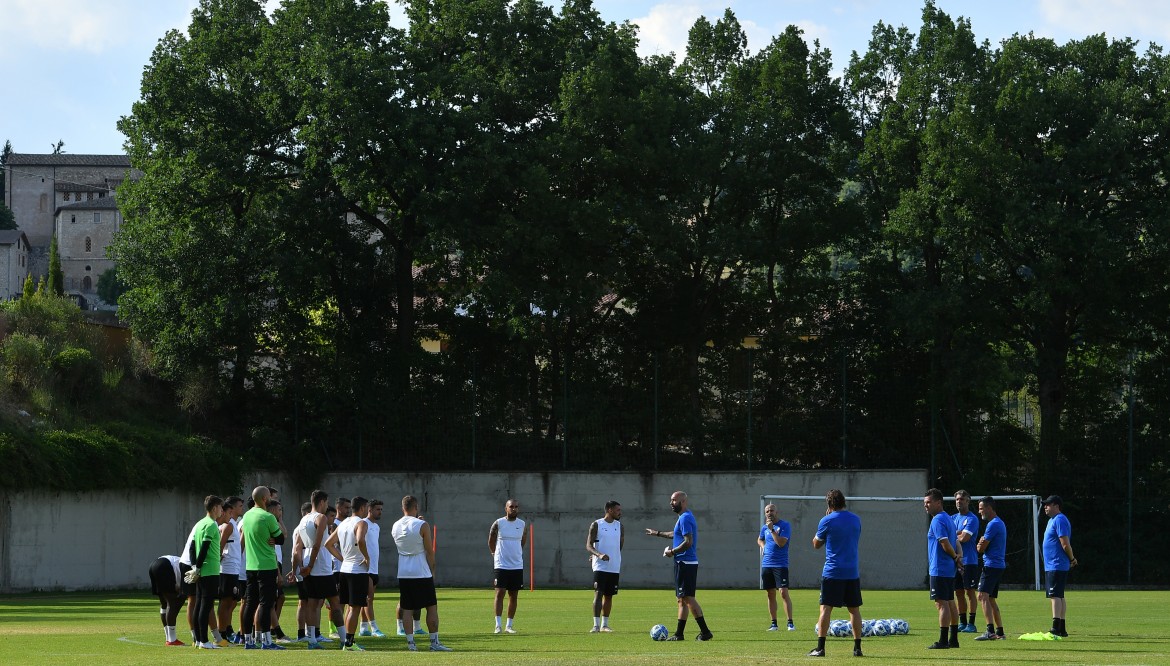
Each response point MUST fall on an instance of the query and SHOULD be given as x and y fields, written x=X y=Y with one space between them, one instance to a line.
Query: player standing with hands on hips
x=685 y=539
x=773 y=542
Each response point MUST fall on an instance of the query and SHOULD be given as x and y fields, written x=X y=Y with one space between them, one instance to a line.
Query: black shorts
x=508 y=579
x=686 y=579
x=969 y=579
x=355 y=589
x=841 y=592
x=229 y=586
x=605 y=582
x=374 y=579
x=989 y=581
x=320 y=587
x=774 y=578
x=162 y=578
x=942 y=588
x=189 y=589
x=302 y=591
x=417 y=593
x=1054 y=582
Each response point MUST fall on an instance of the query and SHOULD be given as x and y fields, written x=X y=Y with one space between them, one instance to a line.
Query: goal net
x=892 y=551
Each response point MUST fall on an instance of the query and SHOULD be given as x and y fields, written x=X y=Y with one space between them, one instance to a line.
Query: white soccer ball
x=901 y=627
x=867 y=628
x=659 y=632
x=840 y=628
x=882 y=628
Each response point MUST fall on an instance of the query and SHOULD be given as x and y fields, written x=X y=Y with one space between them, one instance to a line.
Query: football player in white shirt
x=373 y=535
x=506 y=541
x=606 y=538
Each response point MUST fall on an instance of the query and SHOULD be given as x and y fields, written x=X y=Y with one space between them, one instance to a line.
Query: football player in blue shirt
x=839 y=532
x=993 y=545
x=966 y=529
x=685 y=539
x=944 y=561
x=1058 y=559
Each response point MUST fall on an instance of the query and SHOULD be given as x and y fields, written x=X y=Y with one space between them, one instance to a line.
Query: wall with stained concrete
x=66 y=541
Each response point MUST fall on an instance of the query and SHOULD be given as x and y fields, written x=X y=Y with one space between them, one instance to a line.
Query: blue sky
x=71 y=68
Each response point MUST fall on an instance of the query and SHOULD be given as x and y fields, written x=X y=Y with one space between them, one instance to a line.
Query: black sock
x=954 y=634
x=773 y=622
x=999 y=631
x=702 y=625
x=942 y=635
x=1062 y=629
x=856 y=643
x=300 y=633
x=277 y=632
x=990 y=628
x=820 y=642
x=349 y=640
x=682 y=624
x=1055 y=625
x=971 y=619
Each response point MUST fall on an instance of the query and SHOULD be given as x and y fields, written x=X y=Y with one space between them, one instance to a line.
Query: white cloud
x=665 y=29
x=1115 y=18
x=71 y=24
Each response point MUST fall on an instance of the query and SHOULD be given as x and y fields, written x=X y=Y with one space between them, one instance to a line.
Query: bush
x=76 y=371
x=24 y=361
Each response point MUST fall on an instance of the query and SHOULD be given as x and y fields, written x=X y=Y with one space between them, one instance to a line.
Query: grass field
x=123 y=628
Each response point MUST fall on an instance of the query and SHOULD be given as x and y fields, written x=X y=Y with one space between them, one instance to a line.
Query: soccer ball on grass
x=659 y=632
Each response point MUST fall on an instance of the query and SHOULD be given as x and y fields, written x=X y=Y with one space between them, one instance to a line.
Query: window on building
x=72 y=219
x=86 y=283
x=97 y=218
x=42 y=203
x=77 y=196
x=89 y=196
x=101 y=195
x=88 y=244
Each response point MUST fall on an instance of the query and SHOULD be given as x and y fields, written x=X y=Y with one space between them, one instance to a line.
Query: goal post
x=1015 y=510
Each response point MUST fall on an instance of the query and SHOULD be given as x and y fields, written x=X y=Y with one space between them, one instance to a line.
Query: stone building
x=13 y=263
x=37 y=186
x=84 y=230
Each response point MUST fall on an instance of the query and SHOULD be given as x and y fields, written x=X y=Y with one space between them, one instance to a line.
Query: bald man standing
x=685 y=540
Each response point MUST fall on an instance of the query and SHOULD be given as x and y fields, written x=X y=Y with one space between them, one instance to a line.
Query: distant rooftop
x=104 y=203
x=68 y=159
x=9 y=237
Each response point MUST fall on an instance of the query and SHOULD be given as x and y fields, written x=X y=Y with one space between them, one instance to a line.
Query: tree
x=56 y=282
x=7 y=218
x=110 y=286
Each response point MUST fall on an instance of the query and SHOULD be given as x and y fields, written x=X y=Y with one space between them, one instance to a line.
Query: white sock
x=498 y=622
x=509 y=623
x=410 y=639
x=170 y=632
x=193 y=637
x=216 y=636
x=374 y=626
x=400 y=628
x=435 y=637
x=266 y=637
x=596 y=621
x=341 y=633
x=364 y=627
x=605 y=621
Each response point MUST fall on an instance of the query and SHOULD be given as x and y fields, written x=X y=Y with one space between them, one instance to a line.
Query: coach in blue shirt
x=1058 y=559
x=840 y=533
x=773 y=542
x=944 y=560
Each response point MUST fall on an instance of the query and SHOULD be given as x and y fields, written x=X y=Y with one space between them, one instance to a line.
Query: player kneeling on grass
x=605 y=540
x=416 y=564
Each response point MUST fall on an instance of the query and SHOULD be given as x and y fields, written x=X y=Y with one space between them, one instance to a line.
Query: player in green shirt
x=261 y=533
x=205 y=557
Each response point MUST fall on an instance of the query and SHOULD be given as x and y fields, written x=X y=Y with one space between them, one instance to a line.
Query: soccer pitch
x=124 y=628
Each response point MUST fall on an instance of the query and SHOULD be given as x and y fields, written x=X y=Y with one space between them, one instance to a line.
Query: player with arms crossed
x=966 y=529
x=839 y=532
x=993 y=545
x=773 y=542
x=605 y=540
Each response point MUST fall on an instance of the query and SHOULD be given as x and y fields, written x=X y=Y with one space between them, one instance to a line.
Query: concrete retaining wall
x=68 y=541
